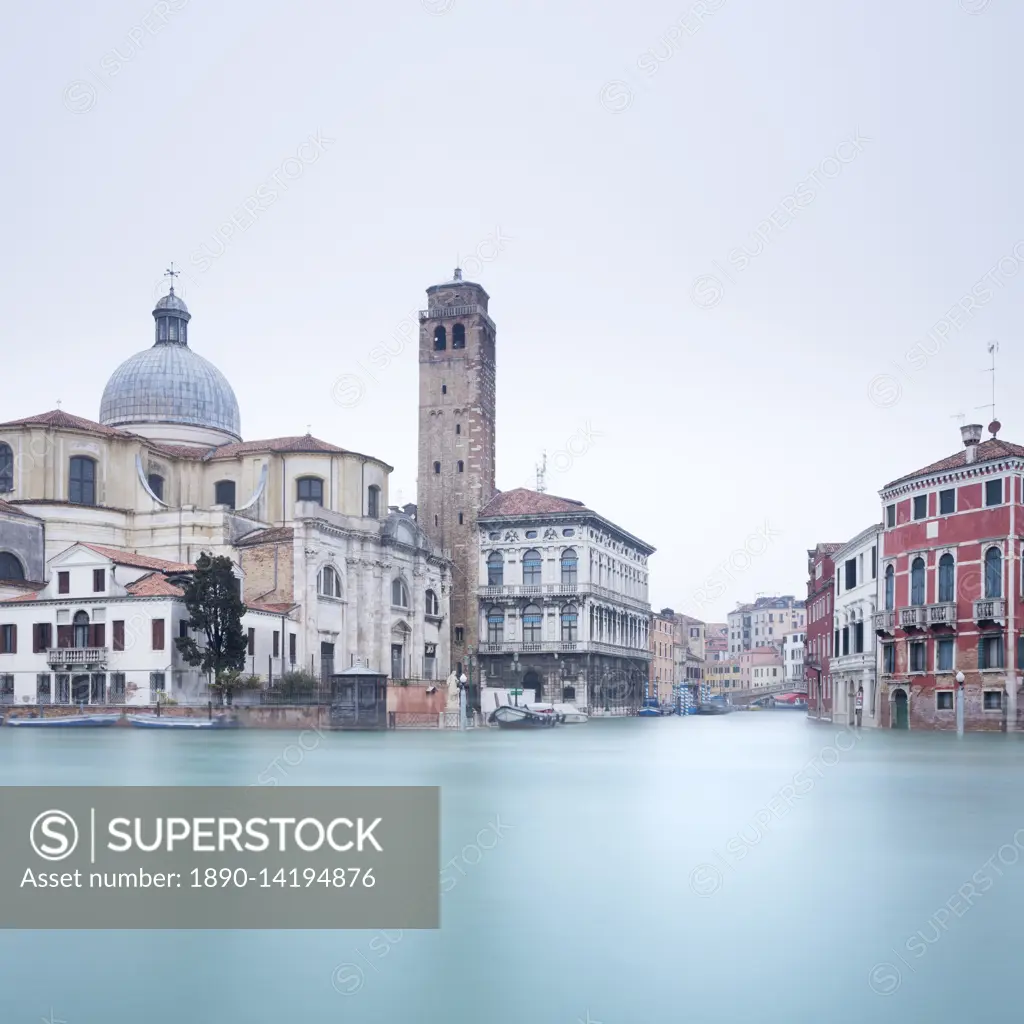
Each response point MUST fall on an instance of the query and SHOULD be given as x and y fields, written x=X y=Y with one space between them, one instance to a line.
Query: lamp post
x=959 y=703
x=462 y=701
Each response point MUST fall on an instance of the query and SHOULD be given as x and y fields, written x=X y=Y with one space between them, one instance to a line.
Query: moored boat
x=509 y=717
x=168 y=722
x=64 y=722
x=567 y=713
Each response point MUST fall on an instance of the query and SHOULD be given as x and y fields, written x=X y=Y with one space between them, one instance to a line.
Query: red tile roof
x=524 y=502
x=307 y=443
x=154 y=585
x=121 y=557
x=13 y=510
x=32 y=596
x=988 y=451
x=65 y=421
x=273 y=535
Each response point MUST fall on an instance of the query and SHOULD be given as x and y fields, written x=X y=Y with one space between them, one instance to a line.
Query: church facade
x=165 y=473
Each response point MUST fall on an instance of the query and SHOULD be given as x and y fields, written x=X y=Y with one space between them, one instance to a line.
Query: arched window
x=993 y=573
x=569 y=617
x=440 y=339
x=373 y=501
x=310 y=488
x=10 y=567
x=433 y=605
x=437 y=467
x=890 y=588
x=495 y=626
x=156 y=484
x=458 y=336
x=946 y=577
x=399 y=593
x=460 y=466
x=531 y=568
x=82 y=481
x=495 y=569
x=917 y=581
x=569 y=562
x=531 y=624
x=328 y=582
x=224 y=493
x=6 y=469
x=81 y=627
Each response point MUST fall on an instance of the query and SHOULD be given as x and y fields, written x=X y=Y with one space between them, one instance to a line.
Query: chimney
x=971 y=434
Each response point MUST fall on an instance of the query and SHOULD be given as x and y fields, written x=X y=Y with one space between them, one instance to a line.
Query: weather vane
x=172 y=274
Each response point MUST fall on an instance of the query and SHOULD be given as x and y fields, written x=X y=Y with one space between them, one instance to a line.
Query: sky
x=744 y=259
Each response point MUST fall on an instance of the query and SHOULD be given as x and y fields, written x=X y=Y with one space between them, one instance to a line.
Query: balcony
x=914 y=617
x=885 y=622
x=510 y=591
x=77 y=656
x=990 y=609
x=943 y=614
x=564 y=647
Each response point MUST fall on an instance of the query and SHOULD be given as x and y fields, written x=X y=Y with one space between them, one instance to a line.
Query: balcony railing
x=885 y=621
x=445 y=311
x=77 y=656
x=943 y=614
x=989 y=609
x=913 y=618
x=512 y=590
x=564 y=647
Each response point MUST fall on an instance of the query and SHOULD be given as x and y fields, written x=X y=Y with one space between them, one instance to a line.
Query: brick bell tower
x=456 y=441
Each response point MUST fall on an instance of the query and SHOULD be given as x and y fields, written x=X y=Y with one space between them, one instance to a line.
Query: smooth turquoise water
x=617 y=888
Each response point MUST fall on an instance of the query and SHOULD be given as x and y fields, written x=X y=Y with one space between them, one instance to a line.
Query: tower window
x=440 y=339
x=7 y=468
x=460 y=519
x=435 y=520
x=310 y=488
x=458 y=336
x=444 y=389
x=458 y=428
x=156 y=485
x=437 y=467
x=461 y=466
x=82 y=489
x=373 y=501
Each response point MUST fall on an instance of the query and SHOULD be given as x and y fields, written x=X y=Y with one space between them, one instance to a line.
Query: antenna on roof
x=959 y=417
x=542 y=471
x=993 y=348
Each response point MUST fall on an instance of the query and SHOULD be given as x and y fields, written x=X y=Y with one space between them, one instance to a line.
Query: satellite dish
x=994 y=427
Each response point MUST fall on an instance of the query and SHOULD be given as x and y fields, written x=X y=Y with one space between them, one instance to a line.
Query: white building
x=102 y=630
x=852 y=664
x=165 y=473
x=563 y=602
x=793 y=656
x=763 y=623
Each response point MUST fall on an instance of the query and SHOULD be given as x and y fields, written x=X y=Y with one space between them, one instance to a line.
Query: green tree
x=215 y=608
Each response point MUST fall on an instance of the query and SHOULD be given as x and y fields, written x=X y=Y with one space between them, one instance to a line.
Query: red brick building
x=818 y=646
x=950 y=584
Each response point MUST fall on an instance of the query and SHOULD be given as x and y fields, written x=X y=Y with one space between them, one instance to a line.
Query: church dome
x=170 y=384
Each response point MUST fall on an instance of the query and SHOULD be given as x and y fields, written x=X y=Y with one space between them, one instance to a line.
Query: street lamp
x=462 y=701
x=959 y=703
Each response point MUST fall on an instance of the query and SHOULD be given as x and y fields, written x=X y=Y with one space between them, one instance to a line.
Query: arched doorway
x=532 y=681
x=900 y=716
x=81 y=624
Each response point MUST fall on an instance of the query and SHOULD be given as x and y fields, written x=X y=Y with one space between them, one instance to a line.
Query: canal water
x=751 y=867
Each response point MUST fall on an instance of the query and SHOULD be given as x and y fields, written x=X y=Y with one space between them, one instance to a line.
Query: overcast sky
x=601 y=167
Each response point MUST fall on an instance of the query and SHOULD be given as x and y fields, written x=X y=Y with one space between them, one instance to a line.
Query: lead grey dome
x=169 y=383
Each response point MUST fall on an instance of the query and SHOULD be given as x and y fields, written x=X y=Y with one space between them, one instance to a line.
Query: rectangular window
x=846 y=639
x=183 y=628
x=7 y=689
x=118 y=625
x=42 y=637
x=8 y=639
x=917 y=656
x=277 y=643
x=459 y=634
x=156 y=682
x=99 y=581
x=43 y=695
x=252 y=642
x=158 y=634
x=291 y=648
x=874 y=561
x=990 y=651
x=947 y=501
x=858 y=638
x=98 y=688
x=993 y=700
x=851 y=573
x=116 y=692
x=890 y=516
x=63 y=583
x=889 y=658
x=921 y=506
x=993 y=492
x=944 y=700
x=944 y=656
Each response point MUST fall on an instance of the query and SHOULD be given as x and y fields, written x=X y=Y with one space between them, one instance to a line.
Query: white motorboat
x=568 y=713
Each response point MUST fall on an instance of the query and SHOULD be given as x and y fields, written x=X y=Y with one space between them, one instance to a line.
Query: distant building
x=716 y=642
x=724 y=675
x=762 y=623
x=793 y=656
x=818 y=646
x=853 y=642
x=761 y=668
x=663 y=655
x=563 y=602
